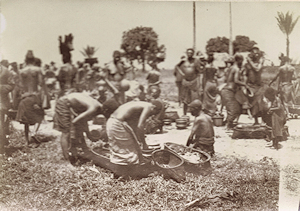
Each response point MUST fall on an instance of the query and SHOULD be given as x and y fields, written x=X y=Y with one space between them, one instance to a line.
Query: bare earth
x=252 y=149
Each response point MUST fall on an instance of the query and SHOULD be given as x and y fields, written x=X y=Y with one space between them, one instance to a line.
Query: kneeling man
x=202 y=133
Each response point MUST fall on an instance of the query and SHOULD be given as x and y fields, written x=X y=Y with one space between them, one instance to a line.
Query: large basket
x=170 y=163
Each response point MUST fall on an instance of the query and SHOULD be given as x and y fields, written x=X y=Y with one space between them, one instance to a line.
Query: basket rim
x=197 y=150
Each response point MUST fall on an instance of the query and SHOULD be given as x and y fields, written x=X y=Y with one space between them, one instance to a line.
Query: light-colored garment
x=122 y=142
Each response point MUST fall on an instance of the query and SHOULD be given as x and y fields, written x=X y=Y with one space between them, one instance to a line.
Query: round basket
x=166 y=159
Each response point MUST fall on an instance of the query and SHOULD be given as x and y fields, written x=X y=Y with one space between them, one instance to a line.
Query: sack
x=249 y=132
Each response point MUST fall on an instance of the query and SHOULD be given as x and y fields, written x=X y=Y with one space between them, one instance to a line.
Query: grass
x=39 y=179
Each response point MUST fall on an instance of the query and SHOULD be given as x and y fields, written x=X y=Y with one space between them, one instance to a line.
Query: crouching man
x=202 y=133
x=72 y=112
x=125 y=130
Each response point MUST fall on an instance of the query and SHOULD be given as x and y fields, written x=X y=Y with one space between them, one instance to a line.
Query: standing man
x=6 y=86
x=286 y=75
x=228 y=92
x=30 y=109
x=202 y=133
x=192 y=82
x=210 y=87
x=254 y=67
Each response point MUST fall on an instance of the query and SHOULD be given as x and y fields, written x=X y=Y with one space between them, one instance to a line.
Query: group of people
x=240 y=87
x=87 y=90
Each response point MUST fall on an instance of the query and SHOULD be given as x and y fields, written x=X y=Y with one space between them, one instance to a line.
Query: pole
x=194 y=26
x=230 y=31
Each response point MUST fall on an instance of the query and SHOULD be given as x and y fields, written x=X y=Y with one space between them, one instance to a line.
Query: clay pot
x=167 y=121
x=181 y=123
x=187 y=118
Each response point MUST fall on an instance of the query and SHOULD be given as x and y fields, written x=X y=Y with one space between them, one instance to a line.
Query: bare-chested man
x=202 y=133
x=30 y=110
x=72 y=112
x=125 y=130
x=228 y=92
x=192 y=86
x=254 y=67
x=286 y=75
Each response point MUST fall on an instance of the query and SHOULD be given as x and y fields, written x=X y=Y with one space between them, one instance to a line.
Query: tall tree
x=221 y=44
x=141 y=44
x=286 y=24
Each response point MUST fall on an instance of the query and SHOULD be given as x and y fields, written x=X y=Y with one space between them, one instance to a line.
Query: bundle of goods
x=171 y=115
x=294 y=111
x=247 y=131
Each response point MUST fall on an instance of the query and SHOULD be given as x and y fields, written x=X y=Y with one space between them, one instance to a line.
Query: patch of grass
x=40 y=179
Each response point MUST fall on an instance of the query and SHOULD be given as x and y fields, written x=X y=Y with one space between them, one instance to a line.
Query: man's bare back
x=287 y=73
x=31 y=77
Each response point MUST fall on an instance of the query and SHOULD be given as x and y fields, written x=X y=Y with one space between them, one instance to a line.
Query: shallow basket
x=166 y=159
x=181 y=149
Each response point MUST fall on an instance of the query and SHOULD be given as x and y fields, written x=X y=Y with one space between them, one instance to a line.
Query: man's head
x=29 y=58
x=190 y=53
x=270 y=94
x=195 y=107
x=109 y=106
x=238 y=58
x=157 y=106
x=117 y=55
x=154 y=92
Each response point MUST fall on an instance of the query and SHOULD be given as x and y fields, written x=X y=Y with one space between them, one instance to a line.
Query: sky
x=36 y=24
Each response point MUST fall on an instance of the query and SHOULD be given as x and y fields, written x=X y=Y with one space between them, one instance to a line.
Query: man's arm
x=274 y=79
x=255 y=66
x=140 y=127
x=195 y=127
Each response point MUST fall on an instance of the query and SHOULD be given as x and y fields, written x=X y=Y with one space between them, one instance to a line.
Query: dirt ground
x=252 y=149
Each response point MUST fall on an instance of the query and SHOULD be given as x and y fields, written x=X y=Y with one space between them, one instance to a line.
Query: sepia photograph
x=149 y=105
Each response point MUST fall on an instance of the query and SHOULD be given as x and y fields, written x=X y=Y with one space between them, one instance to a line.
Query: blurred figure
x=30 y=110
x=7 y=84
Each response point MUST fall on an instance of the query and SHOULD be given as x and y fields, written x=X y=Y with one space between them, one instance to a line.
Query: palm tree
x=286 y=24
x=89 y=51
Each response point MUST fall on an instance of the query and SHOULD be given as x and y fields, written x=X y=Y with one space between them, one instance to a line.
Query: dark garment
x=209 y=98
x=27 y=114
x=190 y=91
x=256 y=102
x=232 y=106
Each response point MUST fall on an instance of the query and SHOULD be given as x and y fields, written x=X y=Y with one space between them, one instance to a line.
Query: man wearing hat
x=202 y=133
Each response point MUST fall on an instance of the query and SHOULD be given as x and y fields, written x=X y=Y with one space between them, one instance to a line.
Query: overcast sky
x=36 y=24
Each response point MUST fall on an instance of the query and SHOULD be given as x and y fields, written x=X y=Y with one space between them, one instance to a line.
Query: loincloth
x=287 y=91
x=190 y=91
x=27 y=114
x=122 y=142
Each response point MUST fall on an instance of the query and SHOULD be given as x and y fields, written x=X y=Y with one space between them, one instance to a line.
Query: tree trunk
x=287 y=46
